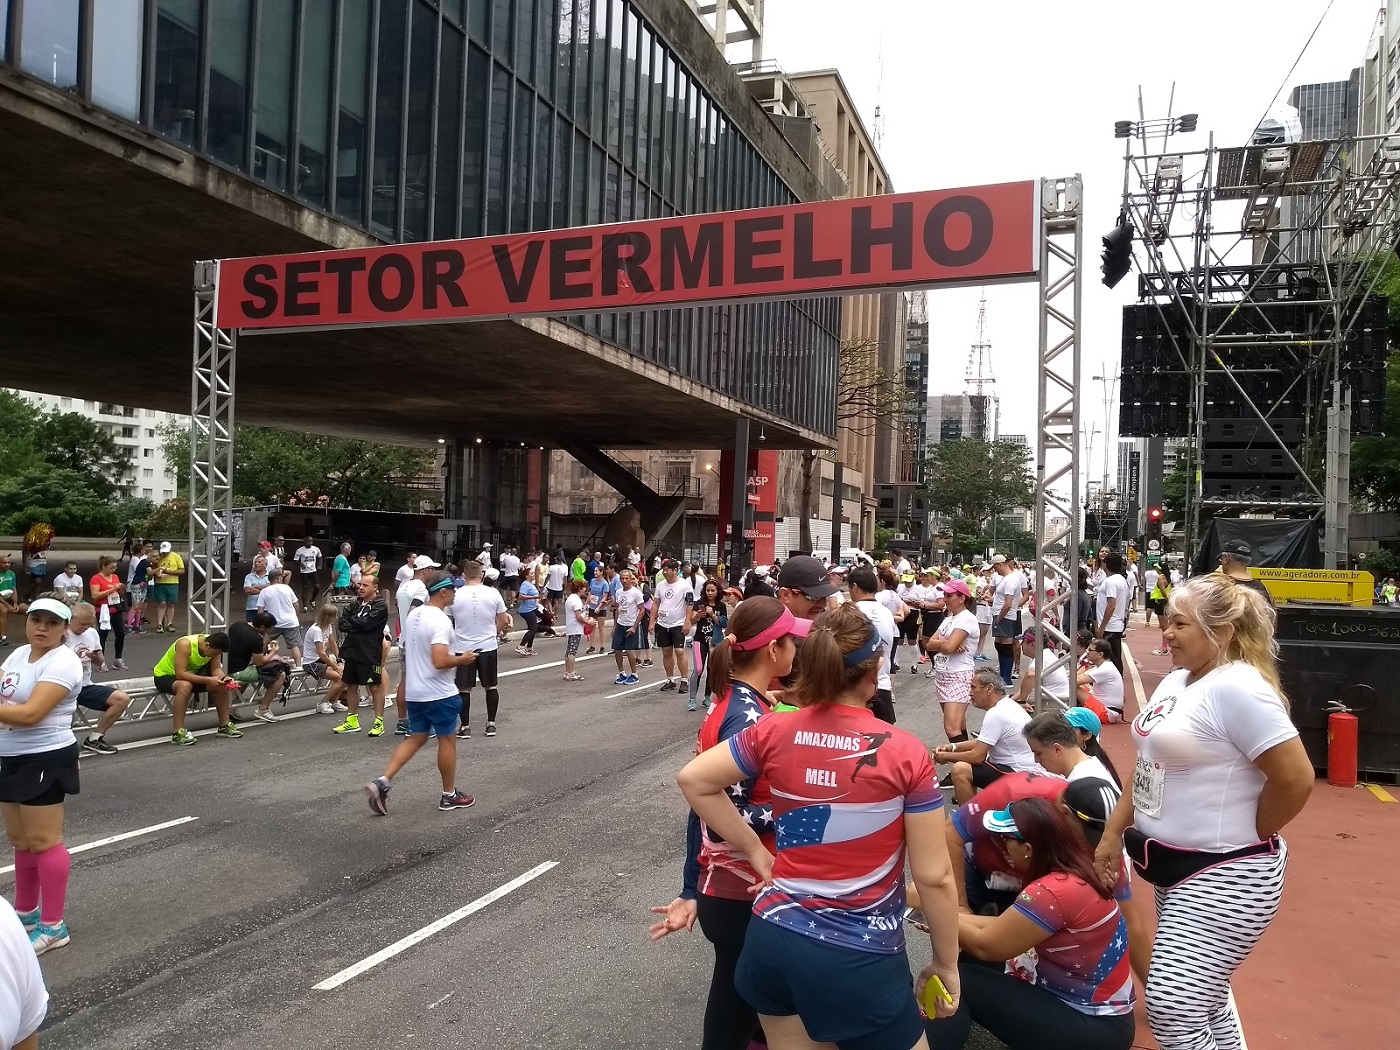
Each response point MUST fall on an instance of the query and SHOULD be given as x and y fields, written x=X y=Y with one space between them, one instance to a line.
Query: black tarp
x=1290 y=543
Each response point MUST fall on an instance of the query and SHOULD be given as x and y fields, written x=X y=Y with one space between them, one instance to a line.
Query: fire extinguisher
x=1343 y=733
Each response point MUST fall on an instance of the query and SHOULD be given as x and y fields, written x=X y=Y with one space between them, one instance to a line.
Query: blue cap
x=1083 y=718
x=1001 y=822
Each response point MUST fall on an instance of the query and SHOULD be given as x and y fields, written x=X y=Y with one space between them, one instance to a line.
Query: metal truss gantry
x=1057 y=457
x=211 y=459
x=1317 y=220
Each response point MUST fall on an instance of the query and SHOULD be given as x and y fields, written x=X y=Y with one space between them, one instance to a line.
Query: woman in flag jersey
x=719 y=882
x=824 y=959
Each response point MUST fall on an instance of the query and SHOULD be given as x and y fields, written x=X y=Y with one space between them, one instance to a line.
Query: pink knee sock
x=26 y=881
x=53 y=865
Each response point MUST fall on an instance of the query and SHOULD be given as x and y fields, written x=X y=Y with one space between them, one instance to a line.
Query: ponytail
x=752 y=618
x=824 y=674
x=1094 y=749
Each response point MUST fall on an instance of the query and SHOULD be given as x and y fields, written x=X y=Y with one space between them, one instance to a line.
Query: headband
x=783 y=625
x=865 y=652
x=440 y=585
x=51 y=605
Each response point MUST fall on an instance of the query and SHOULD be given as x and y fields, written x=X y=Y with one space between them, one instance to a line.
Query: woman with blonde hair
x=1220 y=772
x=824 y=958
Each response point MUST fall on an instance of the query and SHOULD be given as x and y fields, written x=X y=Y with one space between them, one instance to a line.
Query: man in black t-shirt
x=1236 y=556
x=252 y=658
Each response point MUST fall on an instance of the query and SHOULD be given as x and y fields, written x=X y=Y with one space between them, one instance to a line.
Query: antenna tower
x=879 y=126
x=981 y=383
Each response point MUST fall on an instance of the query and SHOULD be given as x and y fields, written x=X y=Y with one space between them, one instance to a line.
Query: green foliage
x=883 y=538
x=1176 y=483
x=970 y=481
x=62 y=497
x=31 y=437
x=171 y=518
x=283 y=466
x=1381 y=563
x=1375 y=461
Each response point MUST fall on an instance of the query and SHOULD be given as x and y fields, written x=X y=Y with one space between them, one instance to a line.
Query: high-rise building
x=953 y=417
x=901 y=506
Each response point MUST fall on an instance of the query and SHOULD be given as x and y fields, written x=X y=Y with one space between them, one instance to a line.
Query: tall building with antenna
x=981 y=384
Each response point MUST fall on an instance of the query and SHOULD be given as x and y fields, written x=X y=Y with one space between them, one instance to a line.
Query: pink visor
x=785 y=624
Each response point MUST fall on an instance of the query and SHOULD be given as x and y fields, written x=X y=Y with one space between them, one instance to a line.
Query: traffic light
x=1154 y=523
x=1118 y=252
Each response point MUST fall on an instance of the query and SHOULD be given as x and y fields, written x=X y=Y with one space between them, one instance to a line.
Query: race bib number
x=1149 y=779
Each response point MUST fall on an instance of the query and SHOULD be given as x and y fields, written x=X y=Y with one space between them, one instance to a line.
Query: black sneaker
x=668 y=684
x=490 y=728
x=456 y=800
x=97 y=746
x=464 y=732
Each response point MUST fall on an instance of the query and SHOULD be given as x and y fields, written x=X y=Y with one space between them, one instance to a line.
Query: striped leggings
x=1206 y=927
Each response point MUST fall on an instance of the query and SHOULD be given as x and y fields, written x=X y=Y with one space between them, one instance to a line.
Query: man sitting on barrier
x=83 y=639
x=252 y=658
x=190 y=667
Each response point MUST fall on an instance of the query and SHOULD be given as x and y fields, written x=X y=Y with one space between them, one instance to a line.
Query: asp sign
x=981 y=234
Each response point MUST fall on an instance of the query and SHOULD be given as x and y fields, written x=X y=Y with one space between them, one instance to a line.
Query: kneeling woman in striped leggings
x=1220 y=772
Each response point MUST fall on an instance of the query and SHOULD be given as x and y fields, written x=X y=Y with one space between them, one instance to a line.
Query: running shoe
x=30 y=919
x=401 y=729
x=97 y=746
x=324 y=708
x=230 y=730
x=339 y=708
x=490 y=728
x=520 y=650
x=120 y=665
x=575 y=677
x=631 y=679
x=646 y=663
x=4 y=641
x=691 y=705
x=914 y=669
x=46 y=937
x=668 y=684
x=264 y=716
x=184 y=738
x=464 y=732
x=378 y=728
x=590 y=650
x=377 y=791
x=350 y=725
x=456 y=800
x=929 y=673
x=621 y=679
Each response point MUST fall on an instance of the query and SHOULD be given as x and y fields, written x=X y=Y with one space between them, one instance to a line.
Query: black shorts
x=510 y=583
x=165 y=683
x=485 y=667
x=932 y=621
x=361 y=672
x=984 y=774
x=95 y=697
x=1156 y=605
x=308 y=579
x=670 y=637
x=910 y=627
x=41 y=779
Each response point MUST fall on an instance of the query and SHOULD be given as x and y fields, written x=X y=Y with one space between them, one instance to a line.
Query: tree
x=64 y=498
x=867 y=398
x=31 y=436
x=283 y=466
x=1375 y=461
x=970 y=481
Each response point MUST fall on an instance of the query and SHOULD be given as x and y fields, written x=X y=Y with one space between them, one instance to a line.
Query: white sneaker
x=340 y=708
x=324 y=708
x=265 y=716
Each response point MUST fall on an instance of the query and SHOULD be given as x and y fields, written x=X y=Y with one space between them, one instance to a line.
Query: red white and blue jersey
x=1084 y=961
x=724 y=870
x=841 y=781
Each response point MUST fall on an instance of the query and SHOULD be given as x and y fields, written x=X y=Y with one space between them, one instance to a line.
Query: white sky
x=985 y=92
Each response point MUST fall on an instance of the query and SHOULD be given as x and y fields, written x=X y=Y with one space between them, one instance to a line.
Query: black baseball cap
x=804 y=573
x=1091 y=799
x=1238 y=548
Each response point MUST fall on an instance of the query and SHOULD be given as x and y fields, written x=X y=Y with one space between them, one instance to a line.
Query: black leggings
x=118 y=628
x=493 y=703
x=1023 y=1016
x=730 y=1022
x=1115 y=644
x=532 y=624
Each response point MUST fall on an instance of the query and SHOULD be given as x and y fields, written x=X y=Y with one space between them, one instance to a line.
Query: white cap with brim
x=52 y=606
x=165 y=547
x=424 y=562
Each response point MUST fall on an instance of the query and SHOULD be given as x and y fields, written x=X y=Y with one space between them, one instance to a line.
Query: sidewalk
x=1317 y=977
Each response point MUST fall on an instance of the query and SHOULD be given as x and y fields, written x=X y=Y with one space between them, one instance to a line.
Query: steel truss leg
x=1057 y=432
x=211 y=459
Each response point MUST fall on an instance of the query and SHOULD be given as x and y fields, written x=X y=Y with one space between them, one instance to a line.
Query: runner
x=480 y=614
x=39 y=686
x=555 y=577
x=1055 y=741
x=706 y=617
x=953 y=647
x=340 y=570
x=252 y=659
x=413 y=592
x=190 y=667
x=510 y=576
x=69 y=584
x=106 y=588
x=363 y=624
x=110 y=703
x=889 y=598
x=911 y=593
x=278 y=599
x=599 y=592
x=1111 y=613
x=308 y=559
x=576 y=621
x=627 y=628
x=1000 y=747
x=430 y=690
x=254 y=583
x=986 y=590
x=1006 y=616
x=165 y=572
x=863 y=586
x=135 y=588
x=824 y=957
x=670 y=601
x=935 y=609
x=1101 y=683
x=529 y=610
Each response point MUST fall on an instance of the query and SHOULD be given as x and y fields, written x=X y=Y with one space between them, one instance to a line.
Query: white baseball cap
x=165 y=547
x=424 y=562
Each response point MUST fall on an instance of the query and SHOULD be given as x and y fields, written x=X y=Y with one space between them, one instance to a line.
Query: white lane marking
x=118 y=838
x=1137 y=678
x=541 y=667
x=153 y=741
x=439 y=1002
x=403 y=944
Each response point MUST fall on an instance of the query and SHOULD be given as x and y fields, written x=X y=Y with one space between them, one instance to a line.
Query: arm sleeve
x=690 y=871
x=1256 y=721
x=64 y=671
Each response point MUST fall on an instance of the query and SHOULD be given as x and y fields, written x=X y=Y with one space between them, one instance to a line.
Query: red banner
x=983 y=233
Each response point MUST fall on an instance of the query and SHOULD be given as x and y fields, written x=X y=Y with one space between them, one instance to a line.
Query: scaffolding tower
x=1261 y=260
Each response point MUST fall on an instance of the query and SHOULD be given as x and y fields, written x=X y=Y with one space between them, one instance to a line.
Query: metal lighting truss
x=1057 y=427
x=211 y=459
x=1317 y=219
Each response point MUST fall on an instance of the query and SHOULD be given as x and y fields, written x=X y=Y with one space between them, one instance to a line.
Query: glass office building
x=424 y=120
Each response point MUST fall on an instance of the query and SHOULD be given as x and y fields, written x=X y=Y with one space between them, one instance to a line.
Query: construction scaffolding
x=1261 y=262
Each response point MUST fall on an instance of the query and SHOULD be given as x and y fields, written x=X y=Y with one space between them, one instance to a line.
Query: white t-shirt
x=24 y=1001
x=427 y=626
x=84 y=645
x=404 y=574
x=629 y=605
x=280 y=602
x=18 y=677
x=1115 y=587
x=1008 y=586
x=356 y=573
x=1195 y=785
x=71 y=585
x=880 y=617
x=1056 y=682
x=962 y=659
x=474 y=611
x=1108 y=685
x=910 y=594
x=274 y=565
x=413 y=590
x=573 y=608
x=1149 y=580
x=890 y=600
x=902 y=569
x=510 y=565
x=672 y=600
x=555 y=577
x=1006 y=744
x=307 y=557
x=1175 y=577
x=1090 y=768
x=309 y=638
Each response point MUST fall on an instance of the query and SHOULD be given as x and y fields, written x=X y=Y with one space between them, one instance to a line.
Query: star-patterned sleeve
x=742 y=713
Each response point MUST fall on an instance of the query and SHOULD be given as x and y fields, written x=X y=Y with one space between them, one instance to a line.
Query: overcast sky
x=1004 y=91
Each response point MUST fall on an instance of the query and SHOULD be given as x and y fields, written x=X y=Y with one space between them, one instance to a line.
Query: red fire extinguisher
x=1343 y=732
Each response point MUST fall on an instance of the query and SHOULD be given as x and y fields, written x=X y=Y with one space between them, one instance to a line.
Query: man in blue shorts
x=430 y=693
x=627 y=628
x=110 y=703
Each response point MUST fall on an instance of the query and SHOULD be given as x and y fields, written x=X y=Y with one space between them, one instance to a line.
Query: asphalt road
x=214 y=933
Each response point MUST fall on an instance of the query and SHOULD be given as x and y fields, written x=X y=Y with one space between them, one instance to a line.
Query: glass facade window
x=417 y=119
